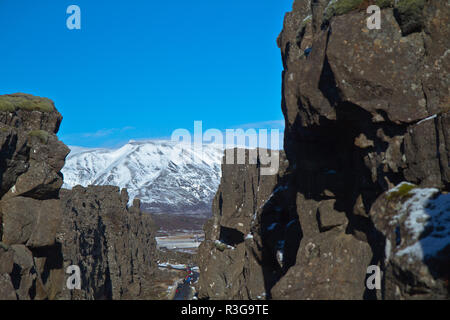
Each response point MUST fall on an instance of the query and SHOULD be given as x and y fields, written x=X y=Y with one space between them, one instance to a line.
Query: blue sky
x=141 y=69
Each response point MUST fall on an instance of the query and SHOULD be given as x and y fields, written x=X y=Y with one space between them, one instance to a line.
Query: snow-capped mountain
x=163 y=174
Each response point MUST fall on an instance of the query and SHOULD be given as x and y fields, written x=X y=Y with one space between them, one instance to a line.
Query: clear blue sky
x=140 y=69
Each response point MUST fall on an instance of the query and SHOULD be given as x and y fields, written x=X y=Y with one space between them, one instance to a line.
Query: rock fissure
x=358 y=112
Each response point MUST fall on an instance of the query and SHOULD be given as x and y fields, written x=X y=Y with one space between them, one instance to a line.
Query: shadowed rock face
x=230 y=258
x=416 y=226
x=31 y=158
x=364 y=110
x=41 y=234
x=113 y=245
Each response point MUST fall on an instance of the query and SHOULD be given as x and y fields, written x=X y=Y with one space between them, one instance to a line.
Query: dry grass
x=12 y=102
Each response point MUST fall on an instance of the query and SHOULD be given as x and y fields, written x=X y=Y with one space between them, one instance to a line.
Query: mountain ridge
x=164 y=175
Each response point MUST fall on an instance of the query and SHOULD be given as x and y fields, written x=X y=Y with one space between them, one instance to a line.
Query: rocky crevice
x=365 y=110
x=44 y=231
x=111 y=243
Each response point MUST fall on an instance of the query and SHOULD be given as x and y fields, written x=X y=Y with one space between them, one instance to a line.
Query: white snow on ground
x=388 y=249
x=280 y=256
x=307 y=18
x=218 y=242
x=173 y=266
x=430 y=213
x=178 y=242
x=426 y=119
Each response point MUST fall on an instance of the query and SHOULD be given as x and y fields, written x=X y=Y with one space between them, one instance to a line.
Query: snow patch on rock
x=426 y=215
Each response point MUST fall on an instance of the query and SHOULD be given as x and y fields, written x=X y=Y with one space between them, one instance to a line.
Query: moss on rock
x=41 y=134
x=220 y=245
x=384 y=3
x=409 y=13
x=345 y=6
x=12 y=102
x=402 y=191
x=339 y=7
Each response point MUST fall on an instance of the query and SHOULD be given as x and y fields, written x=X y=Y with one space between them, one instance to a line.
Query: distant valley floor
x=170 y=224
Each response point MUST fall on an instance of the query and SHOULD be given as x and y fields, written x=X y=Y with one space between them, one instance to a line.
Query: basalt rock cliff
x=31 y=158
x=42 y=232
x=231 y=257
x=113 y=245
x=366 y=182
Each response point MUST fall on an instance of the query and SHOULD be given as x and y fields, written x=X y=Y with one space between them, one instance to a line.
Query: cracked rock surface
x=42 y=232
x=365 y=110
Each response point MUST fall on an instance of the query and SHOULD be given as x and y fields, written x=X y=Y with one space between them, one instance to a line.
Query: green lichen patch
x=345 y=6
x=340 y=7
x=409 y=14
x=384 y=3
x=410 y=6
x=12 y=102
x=220 y=246
x=402 y=191
x=41 y=134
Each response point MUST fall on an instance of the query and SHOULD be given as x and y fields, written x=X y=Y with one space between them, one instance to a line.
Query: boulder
x=30 y=221
x=23 y=274
x=328 y=217
x=330 y=266
x=415 y=225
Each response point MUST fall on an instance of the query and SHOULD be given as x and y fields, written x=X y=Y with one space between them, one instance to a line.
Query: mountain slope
x=163 y=174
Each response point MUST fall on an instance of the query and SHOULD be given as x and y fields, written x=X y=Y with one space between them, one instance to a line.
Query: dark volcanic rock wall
x=41 y=234
x=230 y=258
x=31 y=158
x=365 y=110
x=113 y=245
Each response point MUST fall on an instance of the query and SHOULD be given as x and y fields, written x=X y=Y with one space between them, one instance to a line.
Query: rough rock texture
x=30 y=221
x=364 y=110
x=113 y=245
x=416 y=225
x=31 y=158
x=230 y=258
x=41 y=234
x=7 y=291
